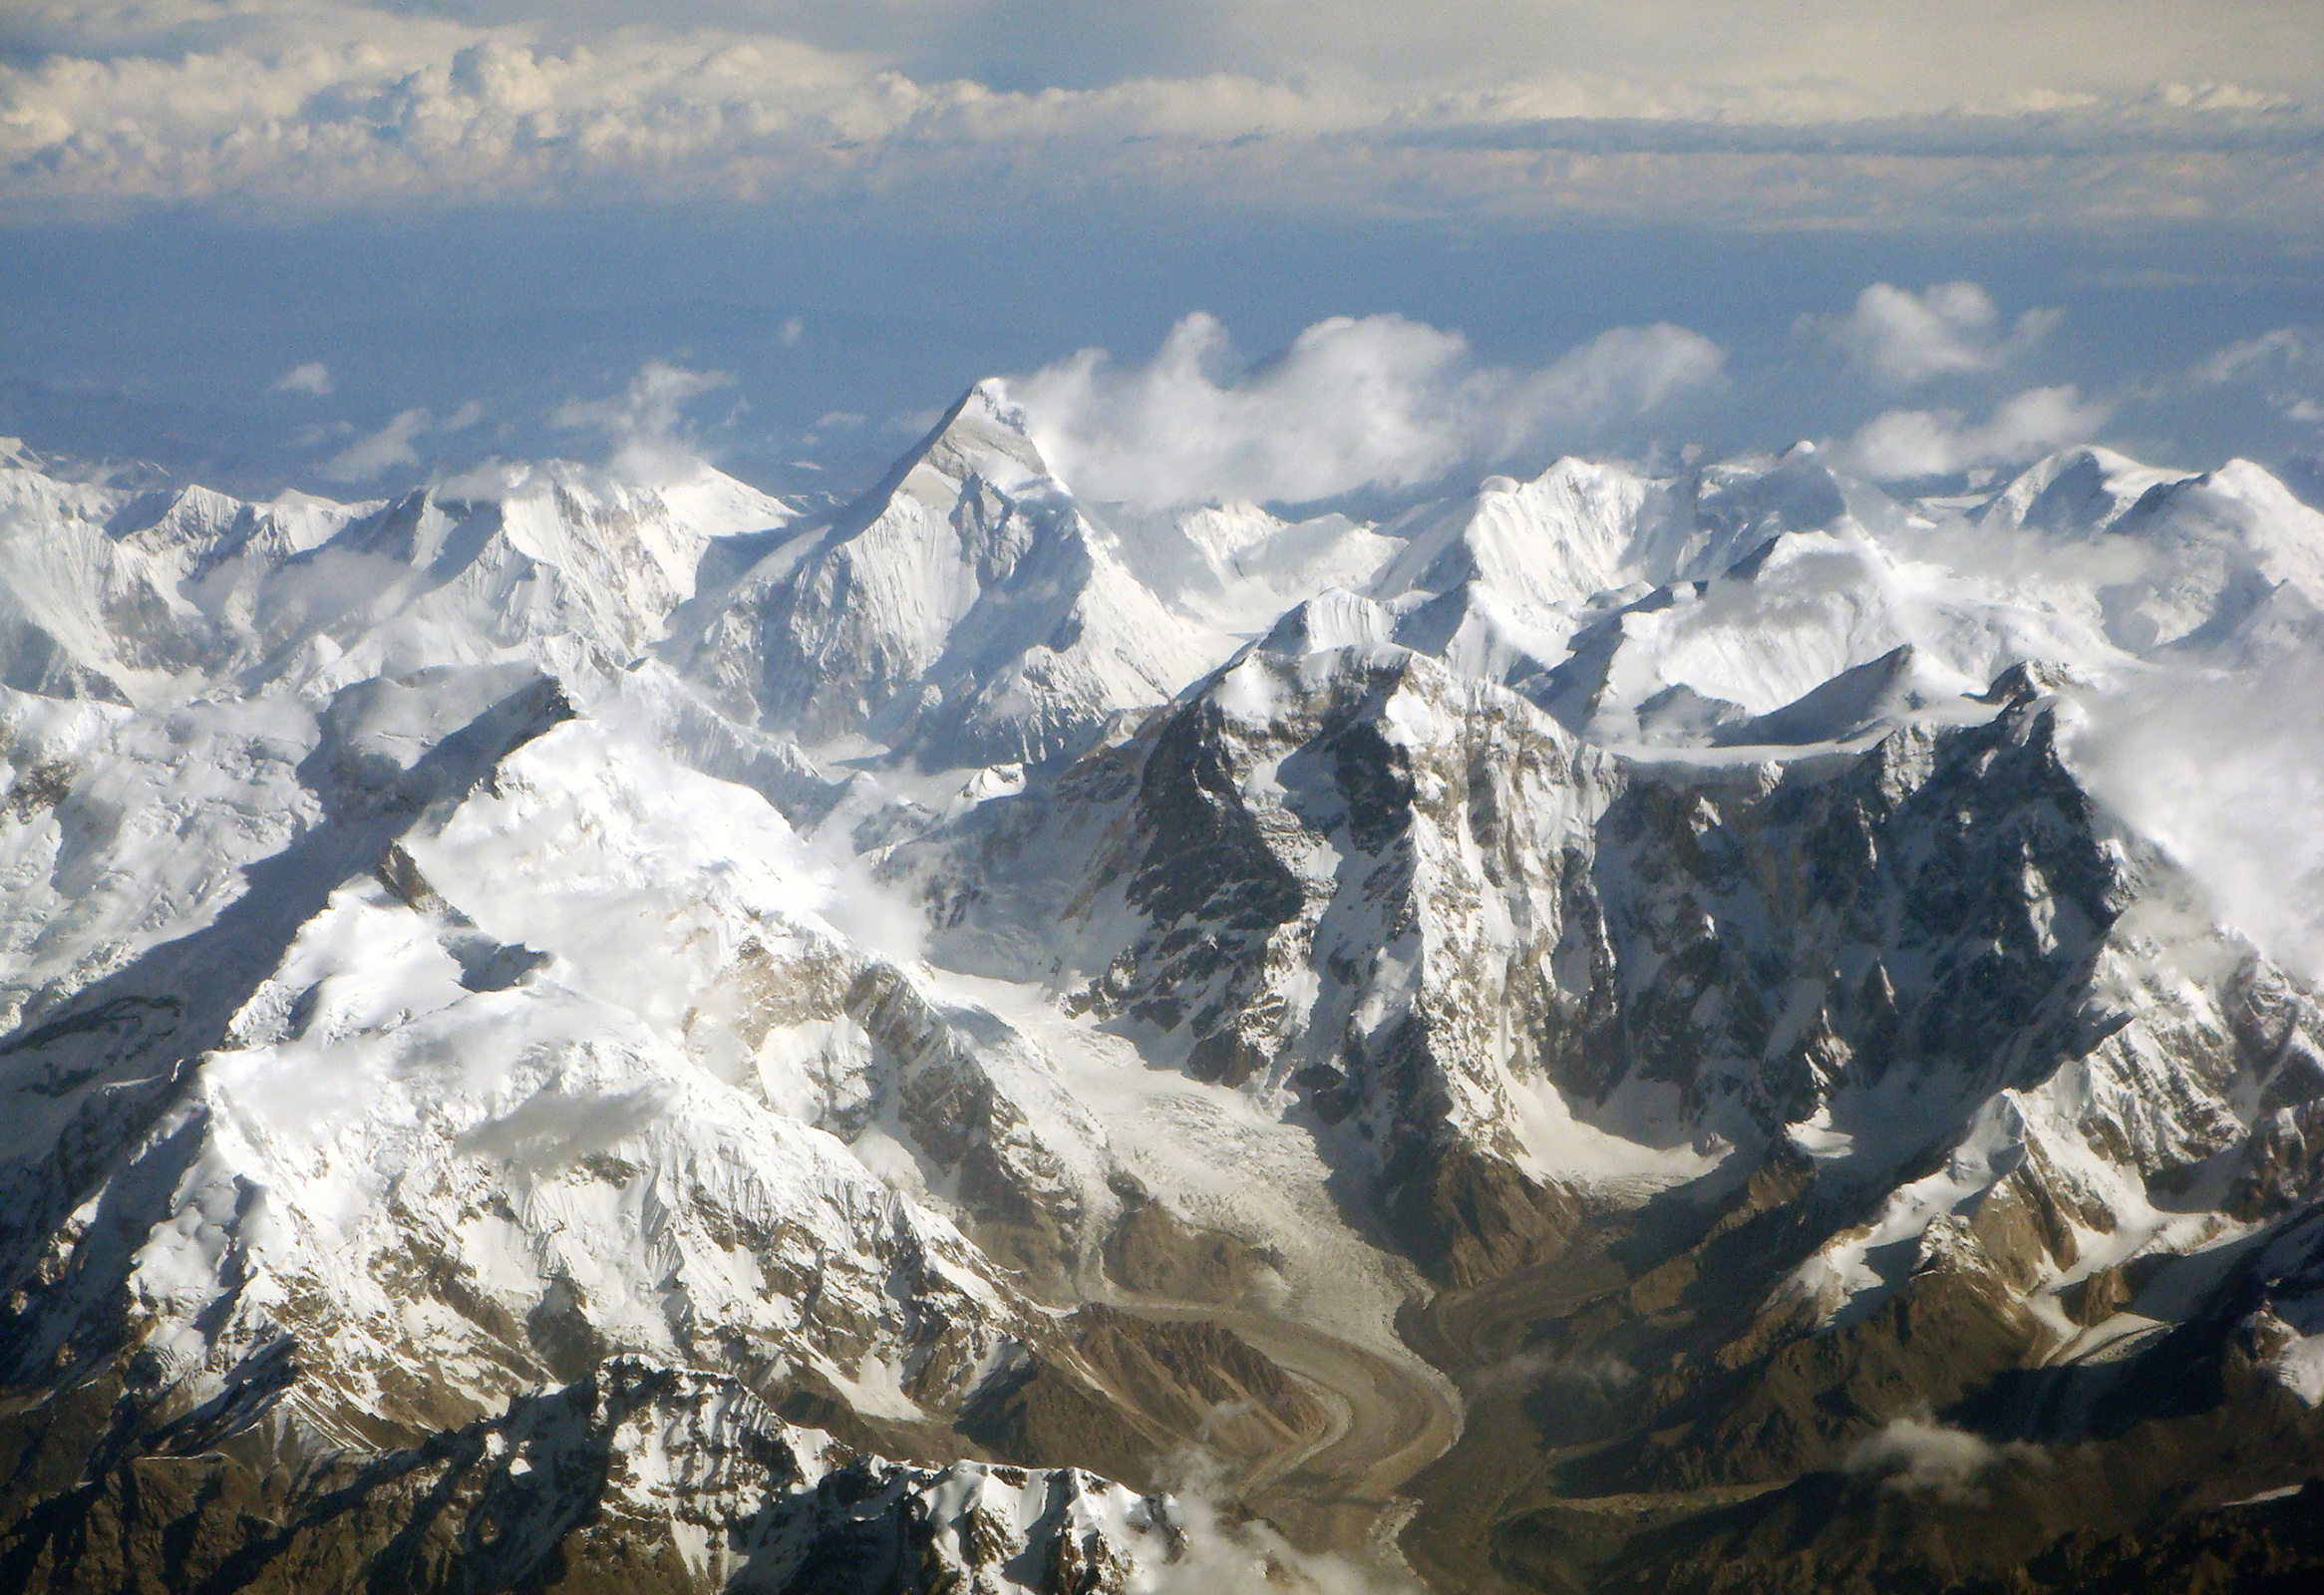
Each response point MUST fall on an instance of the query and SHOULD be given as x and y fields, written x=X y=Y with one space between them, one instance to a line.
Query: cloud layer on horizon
x=305 y=104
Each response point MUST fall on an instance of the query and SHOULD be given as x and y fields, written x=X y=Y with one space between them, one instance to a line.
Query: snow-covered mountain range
x=565 y=1033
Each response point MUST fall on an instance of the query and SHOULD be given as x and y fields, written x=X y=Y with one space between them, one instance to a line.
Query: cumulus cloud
x=558 y=1127
x=644 y=422
x=1352 y=403
x=381 y=110
x=1902 y=443
x=1217 y=1548
x=314 y=377
x=1600 y=1377
x=832 y=421
x=1854 y=54
x=1919 y=1456
x=1907 y=338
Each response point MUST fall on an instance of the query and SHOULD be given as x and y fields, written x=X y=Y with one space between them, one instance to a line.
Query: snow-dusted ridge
x=550 y=969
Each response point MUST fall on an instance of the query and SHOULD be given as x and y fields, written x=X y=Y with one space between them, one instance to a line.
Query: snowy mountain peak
x=1329 y=620
x=967 y=610
x=968 y=475
x=1738 y=504
x=2082 y=490
x=1550 y=543
x=1900 y=687
x=509 y=1067
x=984 y=435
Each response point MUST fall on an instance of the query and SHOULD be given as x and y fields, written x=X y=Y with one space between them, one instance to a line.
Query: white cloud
x=1951 y=328
x=1534 y=1369
x=2247 y=358
x=2227 y=775
x=1215 y=1550
x=1855 y=54
x=789 y=334
x=1922 y=1456
x=1376 y=401
x=1622 y=372
x=2289 y=360
x=314 y=377
x=374 y=453
x=912 y=423
x=644 y=422
x=306 y=104
x=1902 y=443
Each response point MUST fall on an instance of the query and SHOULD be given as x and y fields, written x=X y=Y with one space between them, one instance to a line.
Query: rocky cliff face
x=1349 y=878
x=1414 y=904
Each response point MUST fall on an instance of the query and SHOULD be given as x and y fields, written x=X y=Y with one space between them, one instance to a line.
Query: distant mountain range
x=1609 y=1033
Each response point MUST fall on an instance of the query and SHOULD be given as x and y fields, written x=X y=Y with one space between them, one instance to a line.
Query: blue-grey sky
x=346 y=245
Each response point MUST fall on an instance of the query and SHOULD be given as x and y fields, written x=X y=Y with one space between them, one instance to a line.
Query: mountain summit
x=967 y=608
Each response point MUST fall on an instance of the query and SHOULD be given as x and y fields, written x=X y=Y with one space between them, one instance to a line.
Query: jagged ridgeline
x=1612 y=1032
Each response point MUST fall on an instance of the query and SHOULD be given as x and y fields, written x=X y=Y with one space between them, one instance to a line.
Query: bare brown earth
x=1626 y=1420
x=1618 y=1420
x=1140 y=1395
x=1387 y=1417
x=1633 y=1429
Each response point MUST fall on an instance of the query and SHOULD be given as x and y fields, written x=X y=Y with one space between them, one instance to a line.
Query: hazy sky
x=347 y=244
